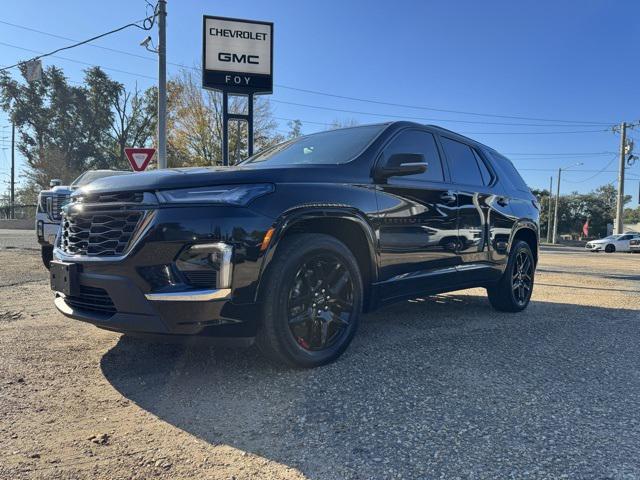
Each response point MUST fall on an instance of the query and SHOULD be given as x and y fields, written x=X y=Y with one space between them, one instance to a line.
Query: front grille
x=54 y=206
x=92 y=299
x=201 y=278
x=99 y=233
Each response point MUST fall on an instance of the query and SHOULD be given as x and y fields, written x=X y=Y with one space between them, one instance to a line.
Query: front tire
x=46 y=252
x=610 y=248
x=312 y=299
x=513 y=291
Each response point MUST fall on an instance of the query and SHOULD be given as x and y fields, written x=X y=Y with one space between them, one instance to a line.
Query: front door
x=417 y=218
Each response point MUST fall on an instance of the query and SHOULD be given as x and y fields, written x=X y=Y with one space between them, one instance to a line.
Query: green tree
x=61 y=128
x=632 y=215
x=599 y=206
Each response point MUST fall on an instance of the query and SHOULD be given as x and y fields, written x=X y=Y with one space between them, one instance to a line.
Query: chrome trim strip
x=191 y=296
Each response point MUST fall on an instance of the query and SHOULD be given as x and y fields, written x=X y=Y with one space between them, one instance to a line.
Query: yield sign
x=139 y=158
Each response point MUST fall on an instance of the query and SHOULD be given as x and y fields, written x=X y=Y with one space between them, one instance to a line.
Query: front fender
x=294 y=216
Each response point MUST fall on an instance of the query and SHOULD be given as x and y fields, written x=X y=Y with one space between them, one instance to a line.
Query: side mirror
x=55 y=182
x=400 y=164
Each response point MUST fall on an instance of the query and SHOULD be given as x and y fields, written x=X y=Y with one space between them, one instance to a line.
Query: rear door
x=484 y=216
x=417 y=220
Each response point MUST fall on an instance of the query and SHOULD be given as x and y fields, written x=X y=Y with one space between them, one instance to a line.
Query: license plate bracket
x=64 y=277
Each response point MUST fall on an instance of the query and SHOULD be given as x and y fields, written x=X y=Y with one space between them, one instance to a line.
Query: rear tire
x=46 y=253
x=312 y=299
x=610 y=248
x=513 y=292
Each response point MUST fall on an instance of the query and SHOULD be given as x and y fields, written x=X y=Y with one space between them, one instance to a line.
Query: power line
x=334 y=109
x=562 y=154
x=356 y=112
x=534 y=133
x=76 y=61
x=317 y=92
x=461 y=112
x=595 y=174
x=147 y=24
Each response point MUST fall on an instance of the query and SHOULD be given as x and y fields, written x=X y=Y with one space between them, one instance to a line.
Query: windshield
x=325 y=148
x=612 y=237
x=91 y=175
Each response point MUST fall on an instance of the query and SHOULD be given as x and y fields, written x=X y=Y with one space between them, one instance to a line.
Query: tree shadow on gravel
x=440 y=386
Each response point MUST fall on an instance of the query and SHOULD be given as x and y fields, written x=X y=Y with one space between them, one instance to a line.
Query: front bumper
x=594 y=247
x=115 y=295
x=47 y=232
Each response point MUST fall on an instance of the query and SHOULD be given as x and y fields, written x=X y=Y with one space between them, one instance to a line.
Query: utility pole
x=619 y=225
x=555 y=215
x=162 y=84
x=549 y=214
x=13 y=170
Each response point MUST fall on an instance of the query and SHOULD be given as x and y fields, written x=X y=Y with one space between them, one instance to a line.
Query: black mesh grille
x=93 y=300
x=98 y=233
x=201 y=278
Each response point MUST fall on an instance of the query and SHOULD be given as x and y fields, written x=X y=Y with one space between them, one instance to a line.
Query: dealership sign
x=237 y=55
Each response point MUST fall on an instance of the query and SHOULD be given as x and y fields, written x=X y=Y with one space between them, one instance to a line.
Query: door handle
x=503 y=201
x=448 y=197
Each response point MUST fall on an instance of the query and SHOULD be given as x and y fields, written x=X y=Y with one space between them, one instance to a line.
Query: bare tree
x=194 y=123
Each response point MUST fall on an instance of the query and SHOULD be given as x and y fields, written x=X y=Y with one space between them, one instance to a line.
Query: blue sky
x=568 y=60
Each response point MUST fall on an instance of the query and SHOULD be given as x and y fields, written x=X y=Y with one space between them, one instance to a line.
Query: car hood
x=172 y=178
x=602 y=240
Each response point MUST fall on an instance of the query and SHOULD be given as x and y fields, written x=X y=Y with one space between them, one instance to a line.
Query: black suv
x=292 y=244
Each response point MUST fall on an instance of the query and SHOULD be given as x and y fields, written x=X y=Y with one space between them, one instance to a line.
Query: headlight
x=218 y=194
x=42 y=207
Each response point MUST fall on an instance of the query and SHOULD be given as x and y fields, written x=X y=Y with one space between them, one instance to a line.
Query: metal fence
x=21 y=212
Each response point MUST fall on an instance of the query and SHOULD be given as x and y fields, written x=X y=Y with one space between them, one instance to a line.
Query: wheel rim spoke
x=299 y=318
x=320 y=302
x=522 y=277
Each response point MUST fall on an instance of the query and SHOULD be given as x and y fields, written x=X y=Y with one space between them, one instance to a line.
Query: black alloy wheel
x=522 y=278
x=610 y=248
x=320 y=302
x=311 y=301
x=513 y=292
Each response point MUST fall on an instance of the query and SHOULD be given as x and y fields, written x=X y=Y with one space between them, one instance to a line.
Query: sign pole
x=225 y=129
x=250 y=125
x=237 y=59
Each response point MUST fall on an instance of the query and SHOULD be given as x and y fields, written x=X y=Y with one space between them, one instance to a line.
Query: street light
x=555 y=215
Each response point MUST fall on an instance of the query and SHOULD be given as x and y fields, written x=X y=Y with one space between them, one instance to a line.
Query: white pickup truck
x=50 y=203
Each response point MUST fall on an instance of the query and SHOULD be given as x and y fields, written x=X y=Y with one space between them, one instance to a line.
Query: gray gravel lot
x=25 y=239
x=439 y=387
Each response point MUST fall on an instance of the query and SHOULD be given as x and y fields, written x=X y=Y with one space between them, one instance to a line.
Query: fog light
x=207 y=265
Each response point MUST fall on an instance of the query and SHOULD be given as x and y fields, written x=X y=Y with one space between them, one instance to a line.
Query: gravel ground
x=438 y=387
x=25 y=239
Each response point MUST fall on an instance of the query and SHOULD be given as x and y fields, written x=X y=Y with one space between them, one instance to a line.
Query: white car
x=50 y=202
x=613 y=243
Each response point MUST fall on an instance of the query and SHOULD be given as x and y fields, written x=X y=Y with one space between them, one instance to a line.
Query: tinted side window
x=484 y=171
x=513 y=175
x=462 y=162
x=417 y=141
